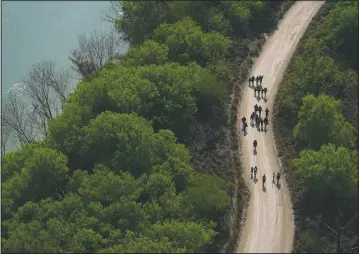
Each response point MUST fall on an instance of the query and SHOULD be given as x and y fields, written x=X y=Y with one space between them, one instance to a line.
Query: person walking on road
x=264 y=179
x=278 y=177
x=265 y=92
x=260 y=110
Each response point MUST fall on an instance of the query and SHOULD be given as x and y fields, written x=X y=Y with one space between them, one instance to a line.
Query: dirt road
x=269 y=226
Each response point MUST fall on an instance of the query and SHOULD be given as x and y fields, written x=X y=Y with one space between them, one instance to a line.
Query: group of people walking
x=258 y=79
x=259 y=121
x=259 y=90
x=254 y=171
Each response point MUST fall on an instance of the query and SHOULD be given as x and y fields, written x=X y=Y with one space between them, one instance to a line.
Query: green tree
x=331 y=179
x=315 y=72
x=217 y=21
x=168 y=95
x=42 y=227
x=207 y=197
x=339 y=31
x=321 y=121
x=240 y=14
x=13 y=162
x=186 y=42
x=148 y=53
x=191 y=236
x=111 y=212
x=143 y=244
x=75 y=180
x=86 y=241
x=136 y=23
x=126 y=143
x=159 y=187
x=227 y=17
x=42 y=175
x=106 y=187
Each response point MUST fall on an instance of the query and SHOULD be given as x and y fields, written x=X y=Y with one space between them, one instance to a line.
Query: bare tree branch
x=340 y=230
x=330 y=228
x=5 y=134
x=15 y=115
x=350 y=220
x=61 y=85
x=95 y=51
x=47 y=90
x=38 y=86
x=37 y=118
x=24 y=120
x=113 y=12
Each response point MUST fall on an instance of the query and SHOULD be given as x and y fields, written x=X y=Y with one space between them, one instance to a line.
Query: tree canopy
x=321 y=121
x=186 y=42
x=141 y=189
x=322 y=68
x=339 y=30
x=148 y=53
x=239 y=18
x=32 y=174
x=331 y=178
x=169 y=95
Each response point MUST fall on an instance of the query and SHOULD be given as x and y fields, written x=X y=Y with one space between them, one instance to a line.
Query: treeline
x=127 y=166
x=317 y=125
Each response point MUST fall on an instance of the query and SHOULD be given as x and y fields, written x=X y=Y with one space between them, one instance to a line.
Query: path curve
x=269 y=224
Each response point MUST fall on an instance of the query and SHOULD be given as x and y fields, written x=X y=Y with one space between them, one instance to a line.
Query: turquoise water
x=33 y=31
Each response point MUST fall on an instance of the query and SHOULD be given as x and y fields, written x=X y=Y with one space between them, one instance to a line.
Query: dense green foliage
x=148 y=53
x=317 y=108
x=339 y=31
x=141 y=188
x=186 y=42
x=241 y=18
x=31 y=175
x=321 y=69
x=320 y=121
x=112 y=175
x=169 y=95
x=332 y=175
